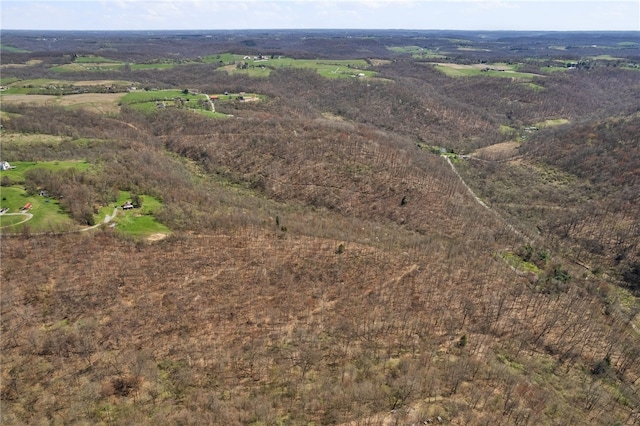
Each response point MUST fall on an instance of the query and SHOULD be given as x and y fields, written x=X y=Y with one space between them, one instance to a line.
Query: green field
x=47 y=214
x=88 y=66
x=138 y=222
x=149 y=101
x=552 y=122
x=488 y=70
x=233 y=63
x=21 y=167
x=11 y=49
x=153 y=96
x=328 y=68
x=99 y=63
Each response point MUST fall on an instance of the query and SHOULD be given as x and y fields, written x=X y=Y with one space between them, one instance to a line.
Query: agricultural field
x=418 y=52
x=98 y=64
x=262 y=66
x=103 y=103
x=159 y=99
x=490 y=70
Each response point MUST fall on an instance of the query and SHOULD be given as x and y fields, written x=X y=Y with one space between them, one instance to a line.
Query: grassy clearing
x=489 y=70
x=153 y=100
x=46 y=211
x=328 y=68
x=518 y=263
x=552 y=122
x=102 y=103
x=535 y=87
x=29 y=99
x=90 y=59
x=21 y=167
x=138 y=222
x=88 y=66
x=47 y=214
x=30 y=138
x=44 y=82
x=12 y=49
x=150 y=101
x=154 y=95
x=4 y=81
x=507 y=129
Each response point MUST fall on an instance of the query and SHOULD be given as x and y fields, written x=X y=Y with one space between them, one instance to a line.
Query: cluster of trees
x=248 y=327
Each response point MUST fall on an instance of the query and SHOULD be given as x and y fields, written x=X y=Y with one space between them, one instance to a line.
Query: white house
x=4 y=165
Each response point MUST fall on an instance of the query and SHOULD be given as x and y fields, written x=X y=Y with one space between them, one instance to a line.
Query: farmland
x=490 y=70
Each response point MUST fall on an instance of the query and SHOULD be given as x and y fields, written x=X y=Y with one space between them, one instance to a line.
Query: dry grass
x=98 y=102
x=29 y=99
x=26 y=64
x=499 y=151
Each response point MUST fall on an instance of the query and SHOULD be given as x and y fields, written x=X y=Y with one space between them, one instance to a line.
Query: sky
x=535 y=15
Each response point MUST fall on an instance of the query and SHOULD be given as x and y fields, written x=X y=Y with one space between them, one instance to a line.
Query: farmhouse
x=127 y=206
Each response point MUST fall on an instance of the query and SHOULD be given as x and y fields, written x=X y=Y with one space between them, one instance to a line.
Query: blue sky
x=570 y=15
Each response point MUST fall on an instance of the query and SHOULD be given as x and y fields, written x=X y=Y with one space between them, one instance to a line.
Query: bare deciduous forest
x=407 y=248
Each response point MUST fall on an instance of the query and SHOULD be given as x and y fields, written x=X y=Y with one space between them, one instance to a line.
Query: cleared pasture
x=29 y=63
x=30 y=138
x=103 y=103
x=137 y=222
x=21 y=167
x=328 y=68
x=99 y=102
x=552 y=122
x=47 y=213
x=88 y=66
x=29 y=99
x=489 y=70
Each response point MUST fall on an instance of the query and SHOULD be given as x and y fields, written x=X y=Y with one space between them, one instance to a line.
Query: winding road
x=108 y=218
x=29 y=216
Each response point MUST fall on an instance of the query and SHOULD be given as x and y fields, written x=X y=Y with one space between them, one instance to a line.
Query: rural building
x=4 y=165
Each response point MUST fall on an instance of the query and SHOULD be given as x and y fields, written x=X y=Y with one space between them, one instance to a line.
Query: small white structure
x=4 y=165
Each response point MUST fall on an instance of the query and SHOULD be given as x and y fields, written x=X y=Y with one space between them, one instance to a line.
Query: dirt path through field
x=483 y=204
x=29 y=216
x=108 y=218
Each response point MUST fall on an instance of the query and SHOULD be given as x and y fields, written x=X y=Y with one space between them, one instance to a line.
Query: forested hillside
x=406 y=246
